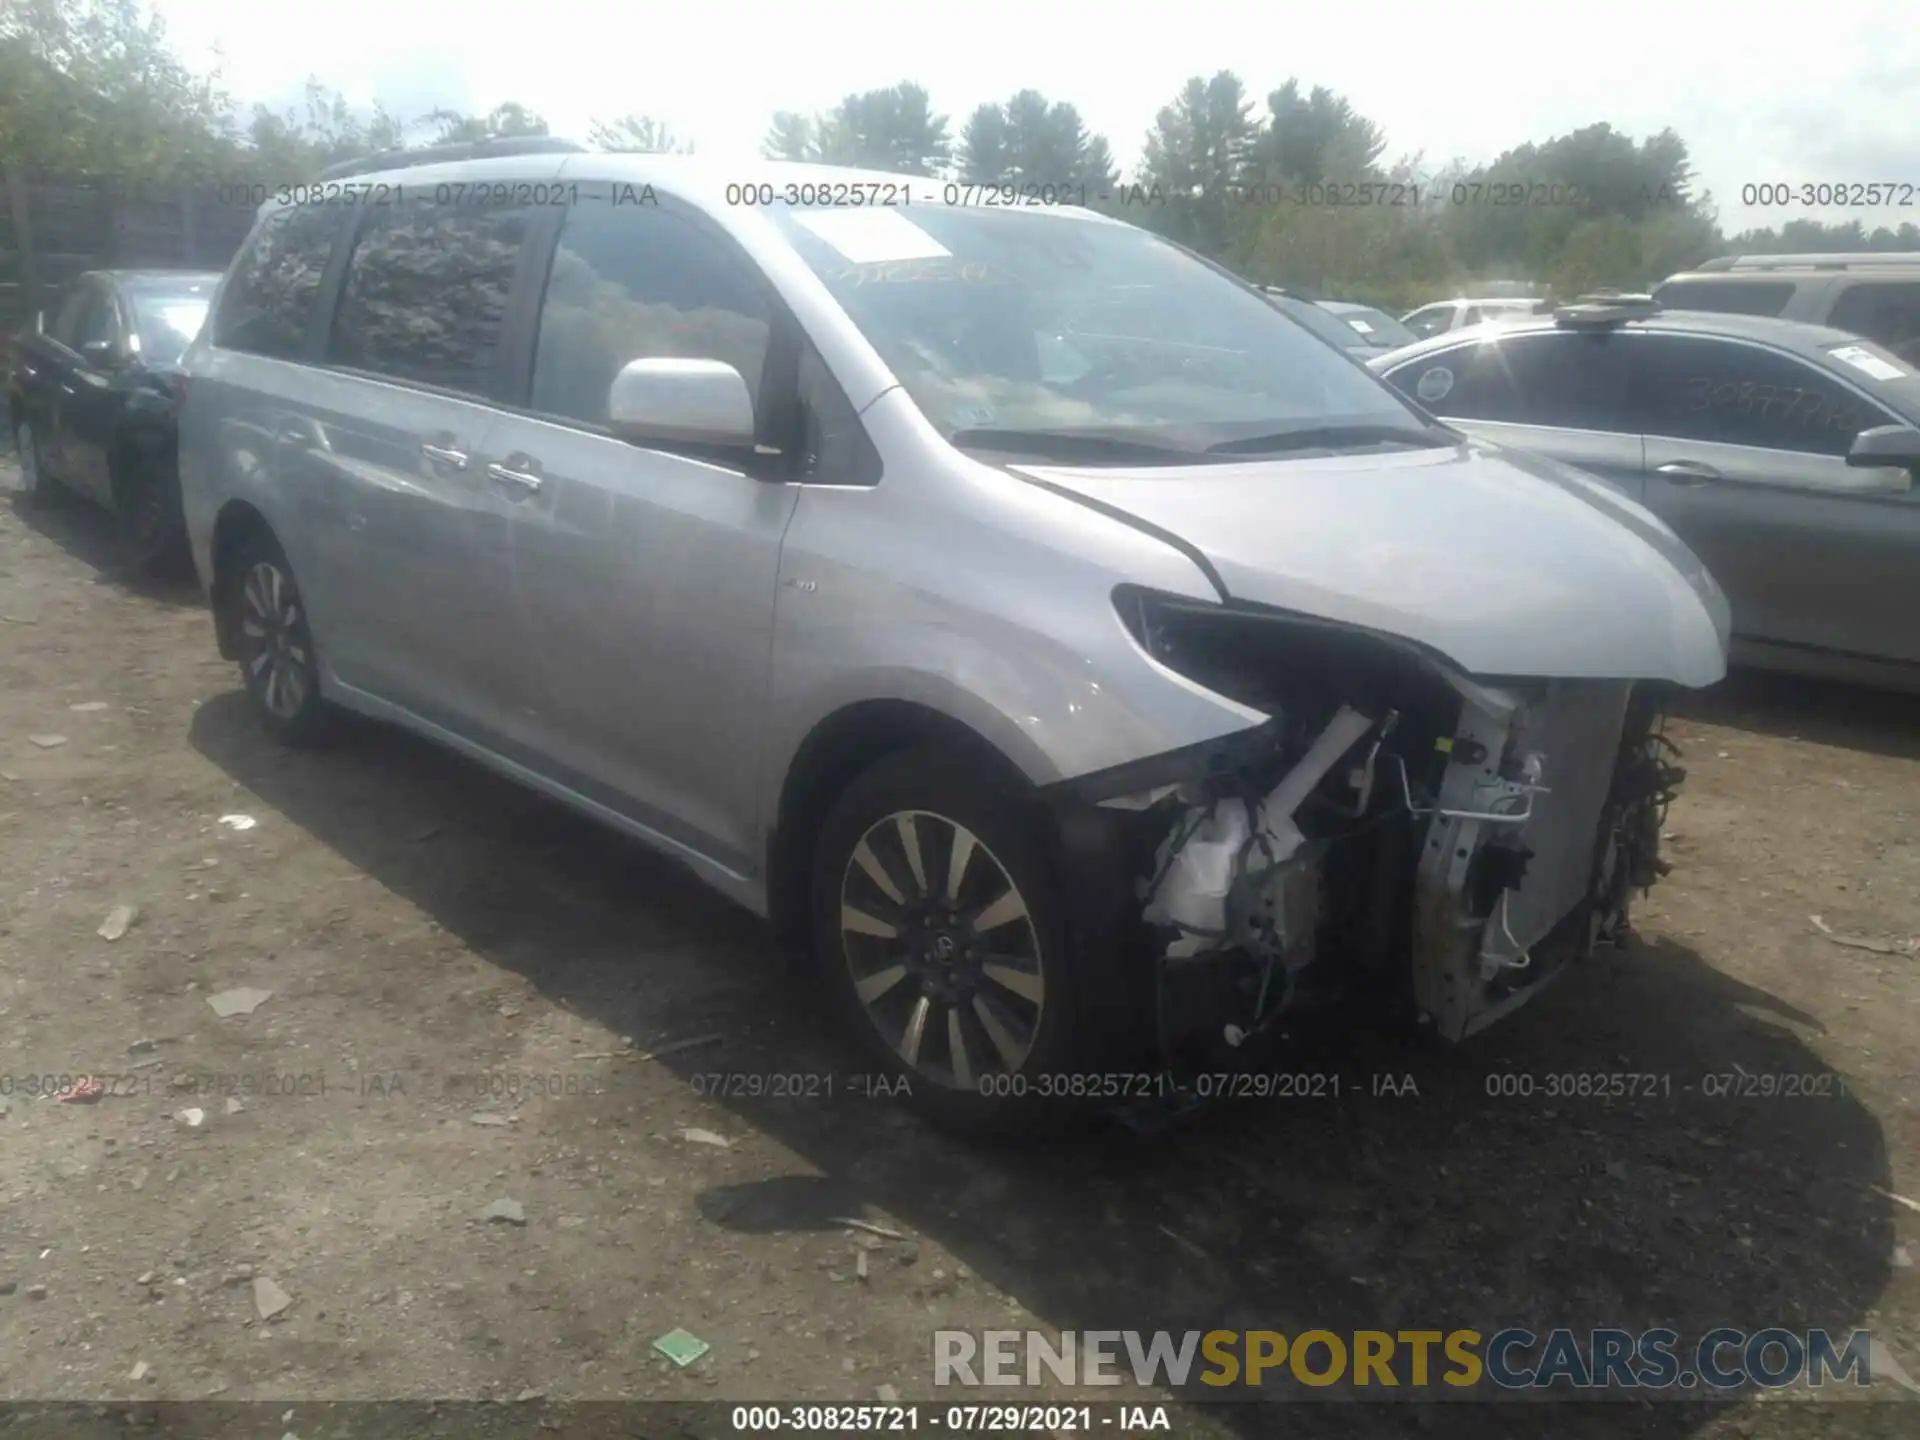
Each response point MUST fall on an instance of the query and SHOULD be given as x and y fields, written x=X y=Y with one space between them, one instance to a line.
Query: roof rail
x=490 y=148
x=1604 y=311
x=1836 y=260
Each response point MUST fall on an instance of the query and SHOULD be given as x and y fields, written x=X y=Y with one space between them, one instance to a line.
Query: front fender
x=1040 y=666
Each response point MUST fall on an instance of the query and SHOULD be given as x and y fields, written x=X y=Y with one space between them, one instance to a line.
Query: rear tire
x=279 y=663
x=36 y=484
x=941 y=933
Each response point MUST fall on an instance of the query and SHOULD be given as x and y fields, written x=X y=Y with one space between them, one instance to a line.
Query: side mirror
x=693 y=402
x=1886 y=447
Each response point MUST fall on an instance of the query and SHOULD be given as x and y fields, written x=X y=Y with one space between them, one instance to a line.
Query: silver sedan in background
x=1783 y=454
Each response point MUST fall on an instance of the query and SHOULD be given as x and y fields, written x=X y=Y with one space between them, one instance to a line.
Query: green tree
x=1029 y=141
x=287 y=145
x=791 y=137
x=638 y=135
x=1803 y=237
x=893 y=129
x=1197 y=155
x=91 y=88
x=508 y=119
x=1316 y=138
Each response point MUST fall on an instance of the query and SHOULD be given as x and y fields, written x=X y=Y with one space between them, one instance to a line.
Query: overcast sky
x=1785 y=96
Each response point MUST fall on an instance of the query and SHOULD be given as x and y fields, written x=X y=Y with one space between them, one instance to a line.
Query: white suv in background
x=1445 y=315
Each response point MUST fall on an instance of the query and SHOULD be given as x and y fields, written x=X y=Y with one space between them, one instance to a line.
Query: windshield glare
x=1038 y=321
x=168 y=318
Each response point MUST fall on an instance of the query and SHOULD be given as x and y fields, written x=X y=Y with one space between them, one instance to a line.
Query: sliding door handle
x=519 y=479
x=1687 y=472
x=439 y=454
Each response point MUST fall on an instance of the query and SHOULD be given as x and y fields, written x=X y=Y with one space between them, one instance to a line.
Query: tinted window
x=1729 y=297
x=274 y=284
x=1719 y=391
x=426 y=294
x=1572 y=382
x=639 y=282
x=1884 y=311
x=1430 y=321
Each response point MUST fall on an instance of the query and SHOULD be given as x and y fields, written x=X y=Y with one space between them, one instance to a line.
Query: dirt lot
x=441 y=948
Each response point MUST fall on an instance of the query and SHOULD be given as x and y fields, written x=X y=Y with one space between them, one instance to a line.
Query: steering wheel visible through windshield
x=1052 y=324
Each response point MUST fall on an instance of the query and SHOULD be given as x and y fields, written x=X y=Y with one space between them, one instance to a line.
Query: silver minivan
x=1084 y=664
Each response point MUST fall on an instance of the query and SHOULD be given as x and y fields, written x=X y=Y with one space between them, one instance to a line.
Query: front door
x=648 y=574
x=1746 y=461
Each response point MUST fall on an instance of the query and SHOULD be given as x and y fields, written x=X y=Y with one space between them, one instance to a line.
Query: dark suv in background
x=1874 y=296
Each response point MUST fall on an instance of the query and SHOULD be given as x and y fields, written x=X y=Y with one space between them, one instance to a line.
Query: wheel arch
x=836 y=750
x=238 y=522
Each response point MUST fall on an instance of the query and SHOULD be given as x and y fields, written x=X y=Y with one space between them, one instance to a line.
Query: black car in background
x=91 y=399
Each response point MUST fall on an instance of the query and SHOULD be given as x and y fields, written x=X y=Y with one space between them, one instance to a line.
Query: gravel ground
x=466 y=987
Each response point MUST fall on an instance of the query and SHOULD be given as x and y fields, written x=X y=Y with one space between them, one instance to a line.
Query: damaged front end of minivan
x=1397 y=834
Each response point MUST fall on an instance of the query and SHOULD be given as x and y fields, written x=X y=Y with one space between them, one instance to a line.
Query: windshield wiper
x=1072 y=445
x=1328 y=437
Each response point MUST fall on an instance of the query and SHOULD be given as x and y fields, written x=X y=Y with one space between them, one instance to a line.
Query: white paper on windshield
x=1868 y=363
x=1361 y=326
x=873 y=235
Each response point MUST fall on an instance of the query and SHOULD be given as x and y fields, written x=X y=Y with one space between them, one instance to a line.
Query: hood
x=1505 y=563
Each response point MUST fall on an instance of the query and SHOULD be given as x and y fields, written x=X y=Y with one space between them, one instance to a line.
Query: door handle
x=522 y=479
x=1687 y=472
x=443 y=456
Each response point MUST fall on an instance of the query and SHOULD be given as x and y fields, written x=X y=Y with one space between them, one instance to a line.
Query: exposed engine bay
x=1398 y=833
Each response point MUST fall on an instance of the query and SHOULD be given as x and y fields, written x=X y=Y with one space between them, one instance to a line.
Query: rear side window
x=639 y=282
x=274 y=285
x=426 y=294
x=1726 y=393
x=1727 y=297
x=1886 y=311
x=1569 y=382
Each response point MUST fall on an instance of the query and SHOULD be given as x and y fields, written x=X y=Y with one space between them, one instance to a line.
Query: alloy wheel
x=941 y=949
x=276 y=649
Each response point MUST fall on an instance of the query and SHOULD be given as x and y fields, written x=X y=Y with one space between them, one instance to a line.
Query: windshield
x=168 y=314
x=1329 y=327
x=1375 y=326
x=1014 y=323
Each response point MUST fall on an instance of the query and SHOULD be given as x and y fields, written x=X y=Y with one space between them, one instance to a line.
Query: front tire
x=278 y=662
x=941 y=930
x=36 y=484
